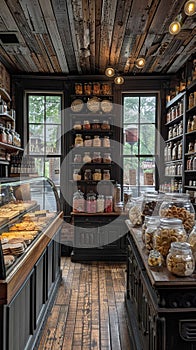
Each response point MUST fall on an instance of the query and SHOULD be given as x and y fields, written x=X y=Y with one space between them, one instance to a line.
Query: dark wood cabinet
x=161 y=307
x=99 y=237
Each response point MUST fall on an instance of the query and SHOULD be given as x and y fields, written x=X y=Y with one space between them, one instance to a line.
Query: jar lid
x=176 y=196
x=182 y=246
x=153 y=219
x=171 y=221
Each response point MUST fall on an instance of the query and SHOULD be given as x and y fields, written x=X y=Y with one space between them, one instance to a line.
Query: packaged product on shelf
x=78 y=89
x=107 y=158
x=155 y=258
x=97 y=157
x=91 y=203
x=108 y=204
x=97 y=176
x=88 y=141
x=152 y=224
x=96 y=88
x=100 y=203
x=105 y=125
x=77 y=158
x=87 y=158
x=87 y=89
x=77 y=125
x=88 y=174
x=78 y=202
x=96 y=124
x=78 y=140
x=96 y=141
x=106 y=174
x=77 y=175
x=106 y=141
x=86 y=125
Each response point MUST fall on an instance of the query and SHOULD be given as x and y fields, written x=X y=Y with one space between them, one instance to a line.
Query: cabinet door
x=39 y=288
x=18 y=318
x=86 y=237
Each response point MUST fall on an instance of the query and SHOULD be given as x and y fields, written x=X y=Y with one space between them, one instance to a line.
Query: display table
x=161 y=307
x=99 y=237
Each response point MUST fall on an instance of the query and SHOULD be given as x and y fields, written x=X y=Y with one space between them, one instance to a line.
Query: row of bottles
x=22 y=165
x=173 y=151
x=96 y=157
x=175 y=111
x=94 y=88
x=192 y=100
x=94 y=125
x=191 y=163
x=89 y=142
x=9 y=135
x=92 y=204
x=172 y=170
x=175 y=130
x=172 y=186
x=89 y=174
x=191 y=124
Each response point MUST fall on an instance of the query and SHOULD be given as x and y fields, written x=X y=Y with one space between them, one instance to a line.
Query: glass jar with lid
x=91 y=203
x=180 y=260
x=88 y=175
x=193 y=124
x=86 y=125
x=78 y=202
x=78 y=89
x=106 y=141
x=170 y=230
x=87 y=89
x=108 y=204
x=178 y=205
x=88 y=141
x=174 y=151
x=77 y=125
x=170 y=132
x=180 y=128
x=117 y=193
x=95 y=124
x=87 y=158
x=97 y=176
x=144 y=226
x=96 y=88
x=119 y=207
x=105 y=125
x=107 y=158
x=100 y=203
x=77 y=175
x=151 y=203
x=96 y=141
x=174 y=130
x=78 y=140
x=152 y=225
x=155 y=258
x=77 y=158
x=97 y=157
x=180 y=150
x=106 y=174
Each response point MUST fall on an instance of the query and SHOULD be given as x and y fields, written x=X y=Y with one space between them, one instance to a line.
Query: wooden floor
x=89 y=311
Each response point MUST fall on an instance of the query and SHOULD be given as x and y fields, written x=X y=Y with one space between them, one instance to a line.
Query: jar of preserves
x=86 y=125
x=78 y=89
x=106 y=141
x=180 y=260
x=108 y=204
x=174 y=130
x=77 y=175
x=96 y=88
x=155 y=258
x=77 y=158
x=78 y=202
x=106 y=89
x=87 y=89
x=87 y=158
x=88 y=174
x=107 y=158
x=152 y=225
x=100 y=203
x=170 y=132
x=105 y=125
x=95 y=124
x=106 y=174
x=97 y=176
x=91 y=203
x=96 y=141
x=178 y=205
x=170 y=230
x=97 y=157
x=78 y=140
x=77 y=125
x=88 y=141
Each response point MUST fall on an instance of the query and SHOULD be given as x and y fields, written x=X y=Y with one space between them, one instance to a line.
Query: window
x=44 y=134
x=139 y=127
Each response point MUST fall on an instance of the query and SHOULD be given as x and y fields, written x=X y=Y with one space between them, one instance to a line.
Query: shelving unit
x=179 y=117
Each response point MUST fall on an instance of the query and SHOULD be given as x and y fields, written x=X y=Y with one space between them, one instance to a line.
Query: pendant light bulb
x=190 y=7
x=109 y=72
x=119 y=80
x=175 y=26
x=140 y=62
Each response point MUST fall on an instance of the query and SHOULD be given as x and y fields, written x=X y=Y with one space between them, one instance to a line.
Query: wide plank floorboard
x=89 y=311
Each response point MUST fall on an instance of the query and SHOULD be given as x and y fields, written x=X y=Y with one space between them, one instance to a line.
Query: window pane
x=36 y=138
x=53 y=139
x=49 y=167
x=131 y=109
x=148 y=109
x=53 y=109
x=147 y=139
x=36 y=109
x=130 y=166
x=147 y=171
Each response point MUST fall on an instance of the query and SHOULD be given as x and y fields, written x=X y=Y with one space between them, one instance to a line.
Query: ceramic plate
x=77 y=105
x=106 y=106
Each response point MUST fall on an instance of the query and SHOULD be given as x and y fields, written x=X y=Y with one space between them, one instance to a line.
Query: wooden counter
x=161 y=307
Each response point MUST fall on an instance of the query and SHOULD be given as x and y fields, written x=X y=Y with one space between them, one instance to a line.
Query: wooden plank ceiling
x=86 y=36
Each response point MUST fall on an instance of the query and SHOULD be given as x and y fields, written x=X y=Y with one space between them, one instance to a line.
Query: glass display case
x=30 y=230
x=27 y=208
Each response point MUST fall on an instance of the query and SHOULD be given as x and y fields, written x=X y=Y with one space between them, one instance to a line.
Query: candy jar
x=180 y=260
